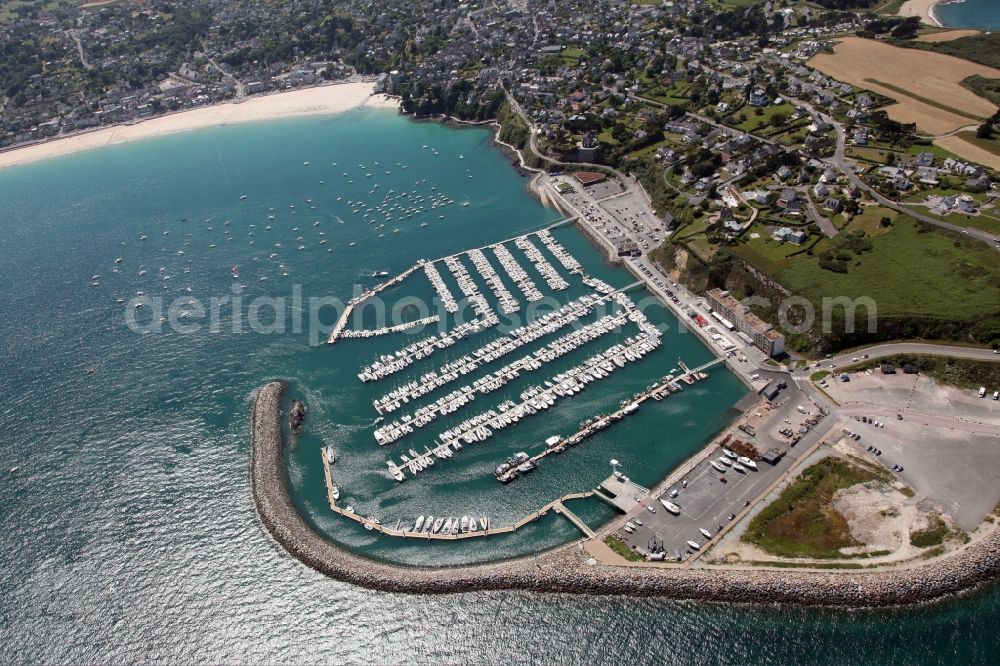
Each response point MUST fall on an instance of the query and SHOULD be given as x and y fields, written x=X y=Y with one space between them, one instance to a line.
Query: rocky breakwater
x=567 y=569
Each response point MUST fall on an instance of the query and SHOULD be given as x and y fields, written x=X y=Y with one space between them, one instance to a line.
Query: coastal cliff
x=566 y=569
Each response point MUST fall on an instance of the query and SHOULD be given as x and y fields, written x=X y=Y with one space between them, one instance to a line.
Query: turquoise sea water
x=128 y=531
x=977 y=14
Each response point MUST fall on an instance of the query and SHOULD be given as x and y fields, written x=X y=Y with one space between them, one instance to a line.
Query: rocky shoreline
x=567 y=570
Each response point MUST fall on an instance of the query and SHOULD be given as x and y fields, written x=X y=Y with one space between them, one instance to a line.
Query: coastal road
x=893 y=348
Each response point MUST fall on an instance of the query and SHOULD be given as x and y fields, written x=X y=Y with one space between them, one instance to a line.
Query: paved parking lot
x=605 y=188
x=633 y=213
x=705 y=503
x=948 y=441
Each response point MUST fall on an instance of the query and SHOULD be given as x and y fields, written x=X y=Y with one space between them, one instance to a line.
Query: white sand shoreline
x=922 y=8
x=327 y=99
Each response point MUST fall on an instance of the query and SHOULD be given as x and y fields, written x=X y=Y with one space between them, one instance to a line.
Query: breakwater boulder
x=296 y=415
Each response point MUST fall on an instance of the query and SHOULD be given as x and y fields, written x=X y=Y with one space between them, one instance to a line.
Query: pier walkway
x=558 y=223
x=657 y=391
x=556 y=504
x=364 y=296
x=338 y=328
x=560 y=508
x=622 y=493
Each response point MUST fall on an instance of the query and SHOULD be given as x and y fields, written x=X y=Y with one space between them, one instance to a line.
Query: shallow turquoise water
x=128 y=532
x=977 y=14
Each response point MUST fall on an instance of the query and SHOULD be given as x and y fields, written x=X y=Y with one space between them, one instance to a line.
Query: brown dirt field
x=966 y=150
x=946 y=36
x=924 y=74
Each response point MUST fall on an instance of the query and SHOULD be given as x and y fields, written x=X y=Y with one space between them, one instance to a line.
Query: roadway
x=846 y=359
x=839 y=160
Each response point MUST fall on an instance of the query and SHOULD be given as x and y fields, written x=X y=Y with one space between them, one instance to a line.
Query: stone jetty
x=567 y=569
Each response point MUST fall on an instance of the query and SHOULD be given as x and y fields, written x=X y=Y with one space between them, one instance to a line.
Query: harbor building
x=751 y=328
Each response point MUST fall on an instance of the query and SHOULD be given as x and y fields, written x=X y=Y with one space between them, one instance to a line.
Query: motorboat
x=693 y=545
x=729 y=454
x=437 y=525
x=335 y=493
x=419 y=524
x=705 y=533
x=746 y=462
x=719 y=468
x=329 y=454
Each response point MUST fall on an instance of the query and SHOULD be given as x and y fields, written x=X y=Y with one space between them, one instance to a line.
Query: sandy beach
x=921 y=8
x=328 y=99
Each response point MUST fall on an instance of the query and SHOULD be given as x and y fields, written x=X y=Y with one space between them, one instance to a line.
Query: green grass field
x=869 y=221
x=934 y=274
x=769 y=255
x=623 y=550
x=755 y=122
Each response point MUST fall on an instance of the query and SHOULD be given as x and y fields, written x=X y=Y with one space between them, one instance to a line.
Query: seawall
x=566 y=569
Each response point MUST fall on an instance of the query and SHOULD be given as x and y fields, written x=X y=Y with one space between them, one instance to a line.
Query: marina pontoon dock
x=447 y=299
x=558 y=505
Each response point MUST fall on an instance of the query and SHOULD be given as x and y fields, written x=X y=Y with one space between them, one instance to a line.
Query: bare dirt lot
x=927 y=86
x=969 y=151
x=946 y=36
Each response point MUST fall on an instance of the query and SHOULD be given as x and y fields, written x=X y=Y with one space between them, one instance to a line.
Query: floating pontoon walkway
x=364 y=296
x=556 y=504
x=657 y=391
x=559 y=223
x=345 y=316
